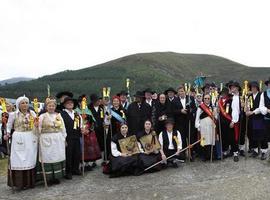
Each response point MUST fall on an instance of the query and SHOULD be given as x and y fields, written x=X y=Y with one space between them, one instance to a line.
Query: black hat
x=68 y=99
x=254 y=84
x=122 y=93
x=235 y=84
x=81 y=97
x=169 y=121
x=65 y=93
x=213 y=84
x=139 y=94
x=170 y=89
x=267 y=81
x=148 y=90
x=94 y=98
x=207 y=85
x=227 y=84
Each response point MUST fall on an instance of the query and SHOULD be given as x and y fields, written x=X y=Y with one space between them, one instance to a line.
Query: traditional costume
x=73 y=125
x=23 y=147
x=206 y=125
x=52 y=146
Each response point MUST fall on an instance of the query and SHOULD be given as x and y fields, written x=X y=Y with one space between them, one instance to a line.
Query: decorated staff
x=36 y=119
x=4 y=123
x=84 y=104
x=182 y=150
x=106 y=121
x=246 y=109
x=128 y=89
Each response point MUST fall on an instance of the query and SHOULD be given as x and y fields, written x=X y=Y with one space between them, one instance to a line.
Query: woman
x=91 y=148
x=206 y=124
x=162 y=111
x=24 y=145
x=123 y=163
x=149 y=146
x=52 y=143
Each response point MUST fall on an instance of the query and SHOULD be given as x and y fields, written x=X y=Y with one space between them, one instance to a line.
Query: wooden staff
x=83 y=105
x=246 y=108
x=188 y=147
x=4 y=121
x=35 y=104
x=220 y=136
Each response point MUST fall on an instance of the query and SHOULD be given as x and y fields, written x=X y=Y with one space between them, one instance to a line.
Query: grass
x=3 y=167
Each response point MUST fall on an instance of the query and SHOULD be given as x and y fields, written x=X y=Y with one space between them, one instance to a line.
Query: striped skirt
x=52 y=171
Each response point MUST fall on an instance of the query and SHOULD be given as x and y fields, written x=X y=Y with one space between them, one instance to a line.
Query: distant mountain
x=157 y=70
x=14 y=80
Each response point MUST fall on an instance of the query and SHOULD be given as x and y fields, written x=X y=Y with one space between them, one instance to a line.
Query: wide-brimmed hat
x=170 y=89
x=267 y=81
x=254 y=84
x=64 y=93
x=235 y=84
x=139 y=94
x=123 y=92
x=148 y=90
x=169 y=121
x=67 y=99
x=94 y=98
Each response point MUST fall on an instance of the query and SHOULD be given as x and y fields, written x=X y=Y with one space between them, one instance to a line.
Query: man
x=61 y=96
x=99 y=114
x=183 y=109
x=73 y=125
x=170 y=94
x=171 y=143
x=265 y=109
x=123 y=95
x=148 y=97
x=138 y=111
x=256 y=122
x=235 y=112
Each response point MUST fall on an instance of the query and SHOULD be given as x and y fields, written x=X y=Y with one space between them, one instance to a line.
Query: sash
x=222 y=110
x=117 y=116
x=229 y=118
x=87 y=112
x=208 y=112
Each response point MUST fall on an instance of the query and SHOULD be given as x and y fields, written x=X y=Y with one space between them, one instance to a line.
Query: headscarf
x=19 y=100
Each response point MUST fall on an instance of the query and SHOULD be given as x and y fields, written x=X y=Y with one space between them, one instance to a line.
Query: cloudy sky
x=39 y=37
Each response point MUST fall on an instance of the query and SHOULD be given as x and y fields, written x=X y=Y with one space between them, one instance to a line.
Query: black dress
x=136 y=115
x=124 y=165
x=149 y=159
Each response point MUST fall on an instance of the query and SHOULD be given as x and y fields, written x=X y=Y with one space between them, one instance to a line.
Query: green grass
x=157 y=70
x=3 y=167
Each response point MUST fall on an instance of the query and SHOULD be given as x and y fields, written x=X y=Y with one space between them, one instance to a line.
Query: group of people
x=149 y=134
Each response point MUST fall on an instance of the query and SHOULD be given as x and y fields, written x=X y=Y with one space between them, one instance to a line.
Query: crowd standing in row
x=149 y=134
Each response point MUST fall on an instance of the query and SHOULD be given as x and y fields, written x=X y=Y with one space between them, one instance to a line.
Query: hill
x=157 y=70
x=14 y=80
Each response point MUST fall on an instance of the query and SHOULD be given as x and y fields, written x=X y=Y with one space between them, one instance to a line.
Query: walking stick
x=220 y=136
x=35 y=104
x=42 y=164
x=188 y=147
x=83 y=105
x=189 y=150
x=9 y=165
x=246 y=147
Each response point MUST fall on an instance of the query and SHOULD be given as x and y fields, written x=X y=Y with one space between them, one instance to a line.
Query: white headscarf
x=19 y=100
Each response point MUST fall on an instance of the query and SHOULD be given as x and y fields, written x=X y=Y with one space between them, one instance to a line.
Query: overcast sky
x=41 y=37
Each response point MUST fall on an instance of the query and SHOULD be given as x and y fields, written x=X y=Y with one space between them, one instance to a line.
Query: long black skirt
x=147 y=160
x=125 y=165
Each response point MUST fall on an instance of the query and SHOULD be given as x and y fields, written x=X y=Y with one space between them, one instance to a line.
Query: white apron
x=23 y=151
x=207 y=128
x=52 y=147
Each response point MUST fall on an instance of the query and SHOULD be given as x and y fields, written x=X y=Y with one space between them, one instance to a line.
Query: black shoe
x=242 y=153
x=254 y=154
x=56 y=181
x=68 y=176
x=263 y=156
x=235 y=158
x=88 y=168
x=77 y=172
x=175 y=165
x=94 y=165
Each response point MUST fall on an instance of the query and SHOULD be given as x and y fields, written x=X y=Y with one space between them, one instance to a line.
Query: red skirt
x=91 y=148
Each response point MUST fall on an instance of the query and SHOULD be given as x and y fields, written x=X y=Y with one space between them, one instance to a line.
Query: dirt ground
x=247 y=179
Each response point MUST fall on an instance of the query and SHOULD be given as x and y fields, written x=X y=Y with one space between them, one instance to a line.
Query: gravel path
x=247 y=179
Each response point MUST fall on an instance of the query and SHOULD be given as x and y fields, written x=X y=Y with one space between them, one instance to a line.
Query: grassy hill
x=157 y=70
